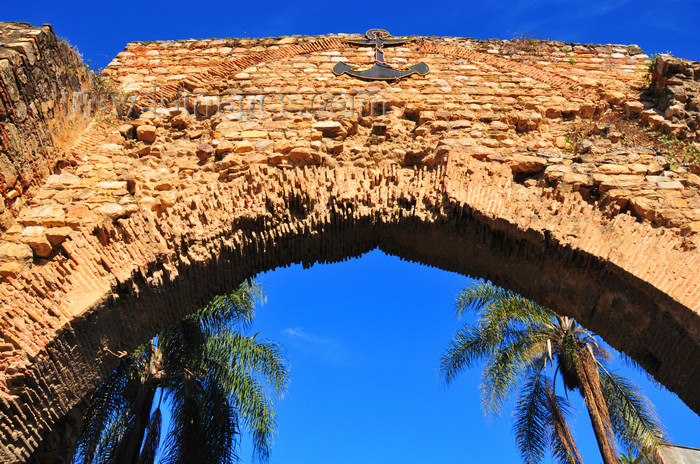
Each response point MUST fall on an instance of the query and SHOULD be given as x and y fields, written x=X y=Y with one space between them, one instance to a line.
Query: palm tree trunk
x=589 y=384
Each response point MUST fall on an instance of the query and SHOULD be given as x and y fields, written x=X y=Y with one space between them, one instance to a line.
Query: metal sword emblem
x=380 y=38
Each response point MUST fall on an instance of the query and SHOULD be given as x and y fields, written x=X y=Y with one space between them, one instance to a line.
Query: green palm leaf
x=215 y=379
x=503 y=371
x=517 y=339
x=633 y=417
x=561 y=439
x=106 y=408
x=530 y=419
x=466 y=348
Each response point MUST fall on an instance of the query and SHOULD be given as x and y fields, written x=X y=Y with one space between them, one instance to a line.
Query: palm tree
x=528 y=346
x=627 y=458
x=213 y=379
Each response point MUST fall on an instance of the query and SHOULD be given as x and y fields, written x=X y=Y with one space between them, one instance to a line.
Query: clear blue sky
x=364 y=337
x=101 y=29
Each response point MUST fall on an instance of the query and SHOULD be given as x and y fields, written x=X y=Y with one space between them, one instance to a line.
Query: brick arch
x=147 y=223
x=172 y=90
x=567 y=86
x=120 y=284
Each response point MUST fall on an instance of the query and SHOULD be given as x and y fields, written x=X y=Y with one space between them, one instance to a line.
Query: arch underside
x=115 y=285
x=465 y=216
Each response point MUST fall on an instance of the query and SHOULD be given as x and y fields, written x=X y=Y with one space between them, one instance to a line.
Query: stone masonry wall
x=39 y=77
x=508 y=161
x=675 y=86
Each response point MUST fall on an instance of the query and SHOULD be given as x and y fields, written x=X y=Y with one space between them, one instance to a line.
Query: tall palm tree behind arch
x=528 y=346
x=212 y=377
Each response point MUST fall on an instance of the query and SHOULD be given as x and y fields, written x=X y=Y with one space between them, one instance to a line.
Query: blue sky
x=101 y=29
x=364 y=337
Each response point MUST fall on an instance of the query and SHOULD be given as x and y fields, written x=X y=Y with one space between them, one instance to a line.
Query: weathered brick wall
x=39 y=77
x=476 y=168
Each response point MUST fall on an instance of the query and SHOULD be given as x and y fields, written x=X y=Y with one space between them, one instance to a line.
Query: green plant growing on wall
x=648 y=68
x=107 y=96
x=524 y=43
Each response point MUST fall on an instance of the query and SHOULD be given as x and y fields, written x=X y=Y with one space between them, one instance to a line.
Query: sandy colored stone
x=35 y=237
x=644 y=207
x=633 y=108
x=254 y=134
x=79 y=215
x=10 y=269
x=225 y=147
x=47 y=216
x=146 y=133
x=112 y=210
x=112 y=185
x=15 y=251
x=528 y=164
x=204 y=151
x=168 y=199
x=127 y=131
x=329 y=128
x=56 y=235
x=613 y=169
x=244 y=146
x=301 y=155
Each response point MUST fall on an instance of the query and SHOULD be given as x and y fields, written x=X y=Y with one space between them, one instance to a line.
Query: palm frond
x=106 y=450
x=479 y=296
x=514 y=309
x=186 y=433
x=530 y=419
x=150 y=443
x=562 y=441
x=234 y=309
x=108 y=404
x=220 y=425
x=203 y=425
x=518 y=338
x=633 y=417
x=496 y=305
x=182 y=346
x=256 y=412
x=504 y=370
x=466 y=348
x=233 y=352
x=212 y=375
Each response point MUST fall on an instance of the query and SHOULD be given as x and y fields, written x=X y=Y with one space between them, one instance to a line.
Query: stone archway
x=157 y=216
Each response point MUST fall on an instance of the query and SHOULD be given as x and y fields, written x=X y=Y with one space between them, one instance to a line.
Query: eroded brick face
x=508 y=160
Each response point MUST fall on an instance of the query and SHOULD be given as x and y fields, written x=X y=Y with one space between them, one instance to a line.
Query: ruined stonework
x=40 y=76
x=515 y=161
x=675 y=86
